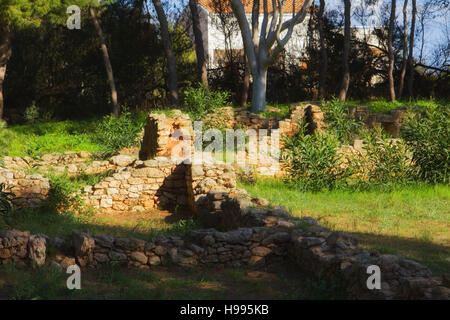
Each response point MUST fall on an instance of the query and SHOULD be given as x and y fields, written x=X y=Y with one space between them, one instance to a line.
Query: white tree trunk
x=259 y=90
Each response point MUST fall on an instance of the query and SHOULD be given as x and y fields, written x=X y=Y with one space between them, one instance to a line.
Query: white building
x=214 y=40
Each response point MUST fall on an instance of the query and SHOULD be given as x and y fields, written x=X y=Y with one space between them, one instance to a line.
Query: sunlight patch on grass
x=414 y=221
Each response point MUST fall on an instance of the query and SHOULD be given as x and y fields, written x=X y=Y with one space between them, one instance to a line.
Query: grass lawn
x=53 y=137
x=167 y=283
x=413 y=222
x=143 y=225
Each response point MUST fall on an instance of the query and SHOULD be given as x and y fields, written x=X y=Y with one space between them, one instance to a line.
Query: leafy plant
x=200 y=100
x=6 y=201
x=428 y=135
x=384 y=162
x=118 y=133
x=312 y=161
x=340 y=121
x=31 y=114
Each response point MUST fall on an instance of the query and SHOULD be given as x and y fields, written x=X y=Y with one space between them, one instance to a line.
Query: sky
x=437 y=28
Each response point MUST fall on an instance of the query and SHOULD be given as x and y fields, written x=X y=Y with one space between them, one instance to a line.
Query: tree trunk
x=411 y=50
x=199 y=49
x=323 y=52
x=5 y=54
x=391 y=51
x=246 y=84
x=170 y=53
x=109 y=70
x=259 y=90
x=405 y=49
x=346 y=78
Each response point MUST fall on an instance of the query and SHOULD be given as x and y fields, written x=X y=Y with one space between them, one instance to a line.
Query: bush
x=31 y=114
x=312 y=161
x=200 y=101
x=428 y=135
x=340 y=121
x=384 y=162
x=117 y=133
x=6 y=201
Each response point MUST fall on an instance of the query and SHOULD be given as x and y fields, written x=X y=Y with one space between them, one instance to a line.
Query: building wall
x=216 y=38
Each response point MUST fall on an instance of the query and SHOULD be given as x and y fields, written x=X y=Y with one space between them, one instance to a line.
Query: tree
x=199 y=48
x=405 y=49
x=323 y=52
x=391 y=51
x=20 y=14
x=170 y=53
x=5 y=54
x=346 y=77
x=16 y=13
x=107 y=61
x=263 y=46
x=411 y=50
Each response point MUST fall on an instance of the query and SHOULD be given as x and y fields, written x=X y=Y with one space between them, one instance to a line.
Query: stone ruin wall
x=154 y=180
x=30 y=190
x=261 y=236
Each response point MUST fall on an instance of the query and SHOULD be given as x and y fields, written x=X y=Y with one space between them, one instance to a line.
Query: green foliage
x=200 y=101
x=428 y=135
x=31 y=114
x=312 y=161
x=271 y=111
x=6 y=201
x=34 y=140
x=117 y=133
x=384 y=106
x=384 y=162
x=63 y=197
x=6 y=138
x=340 y=121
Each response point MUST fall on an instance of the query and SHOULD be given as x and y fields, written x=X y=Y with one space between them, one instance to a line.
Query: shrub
x=117 y=133
x=6 y=201
x=200 y=100
x=384 y=162
x=31 y=114
x=340 y=121
x=312 y=161
x=428 y=135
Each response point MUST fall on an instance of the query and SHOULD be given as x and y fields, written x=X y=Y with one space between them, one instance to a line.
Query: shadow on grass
x=164 y=282
x=434 y=256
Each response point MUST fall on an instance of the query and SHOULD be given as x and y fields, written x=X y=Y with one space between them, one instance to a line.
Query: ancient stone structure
x=30 y=189
x=163 y=134
x=259 y=237
x=22 y=248
x=71 y=162
x=391 y=122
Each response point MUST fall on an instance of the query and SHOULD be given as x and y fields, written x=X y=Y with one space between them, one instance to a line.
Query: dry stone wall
x=162 y=134
x=271 y=235
x=72 y=163
x=391 y=122
x=139 y=186
x=30 y=189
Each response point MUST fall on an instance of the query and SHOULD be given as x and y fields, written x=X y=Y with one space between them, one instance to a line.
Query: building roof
x=214 y=6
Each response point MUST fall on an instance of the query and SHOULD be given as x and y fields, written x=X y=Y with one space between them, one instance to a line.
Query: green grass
x=384 y=106
x=40 y=138
x=413 y=222
x=53 y=137
x=284 y=111
x=162 y=282
x=143 y=225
